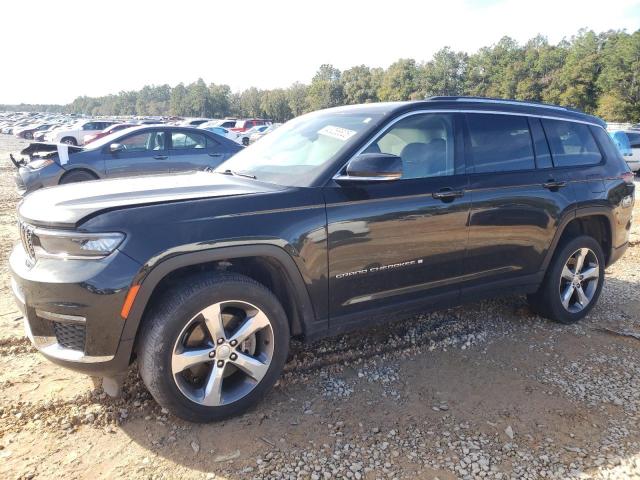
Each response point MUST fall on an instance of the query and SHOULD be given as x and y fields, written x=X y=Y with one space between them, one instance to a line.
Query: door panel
x=395 y=242
x=513 y=221
x=143 y=153
x=515 y=213
x=193 y=151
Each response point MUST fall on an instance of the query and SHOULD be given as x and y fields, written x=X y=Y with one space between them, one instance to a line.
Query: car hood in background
x=66 y=206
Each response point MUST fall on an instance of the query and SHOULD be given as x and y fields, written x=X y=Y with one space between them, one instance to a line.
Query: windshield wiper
x=238 y=174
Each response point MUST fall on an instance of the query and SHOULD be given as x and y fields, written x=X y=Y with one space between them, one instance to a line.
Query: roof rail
x=496 y=100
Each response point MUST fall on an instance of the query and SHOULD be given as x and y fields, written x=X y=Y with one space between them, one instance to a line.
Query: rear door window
x=187 y=141
x=499 y=143
x=571 y=143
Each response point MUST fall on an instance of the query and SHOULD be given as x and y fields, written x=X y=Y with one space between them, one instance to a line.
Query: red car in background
x=244 y=125
x=107 y=131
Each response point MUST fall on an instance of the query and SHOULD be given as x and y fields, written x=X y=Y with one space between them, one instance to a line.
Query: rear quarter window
x=571 y=143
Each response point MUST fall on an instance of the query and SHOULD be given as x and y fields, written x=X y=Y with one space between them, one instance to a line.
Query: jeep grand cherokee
x=340 y=218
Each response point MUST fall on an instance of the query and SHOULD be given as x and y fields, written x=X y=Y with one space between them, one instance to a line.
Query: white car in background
x=634 y=141
x=224 y=132
x=257 y=135
x=75 y=135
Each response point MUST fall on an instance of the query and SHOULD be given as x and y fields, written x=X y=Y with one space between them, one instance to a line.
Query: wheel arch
x=80 y=168
x=271 y=260
x=595 y=221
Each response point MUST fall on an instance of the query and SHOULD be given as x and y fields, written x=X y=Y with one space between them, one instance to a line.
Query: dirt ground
x=488 y=390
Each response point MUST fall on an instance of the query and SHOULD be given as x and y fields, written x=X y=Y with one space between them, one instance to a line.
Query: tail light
x=628 y=177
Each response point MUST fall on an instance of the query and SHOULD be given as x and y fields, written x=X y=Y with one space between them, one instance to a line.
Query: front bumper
x=28 y=180
x=71 y=309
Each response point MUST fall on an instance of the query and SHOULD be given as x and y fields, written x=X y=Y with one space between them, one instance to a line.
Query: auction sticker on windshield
x=338 y=133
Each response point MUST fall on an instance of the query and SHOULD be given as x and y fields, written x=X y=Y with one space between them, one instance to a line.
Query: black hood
x=67 y=205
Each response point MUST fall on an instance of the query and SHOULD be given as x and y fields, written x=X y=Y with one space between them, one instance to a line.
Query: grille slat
x=70 y=335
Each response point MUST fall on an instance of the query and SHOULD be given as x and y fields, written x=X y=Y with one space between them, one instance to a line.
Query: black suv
x=338 y=219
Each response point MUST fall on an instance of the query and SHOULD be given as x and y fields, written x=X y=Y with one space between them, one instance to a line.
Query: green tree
x=359 y=85
x=576 y=80
x=178 y=100
x=220 y=96
x=275 y=105
x=297 y=99
x=620 y=78
x=251 y=103
x=326 y=89
x=444 y=74
x=198 y=100
x=400 y=81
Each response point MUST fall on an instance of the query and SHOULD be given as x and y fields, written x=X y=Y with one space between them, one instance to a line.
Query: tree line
x=598 y=73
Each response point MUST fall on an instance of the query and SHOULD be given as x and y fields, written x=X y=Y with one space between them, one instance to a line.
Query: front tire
x=69 y=141
x=214 y=347
x=573 y=281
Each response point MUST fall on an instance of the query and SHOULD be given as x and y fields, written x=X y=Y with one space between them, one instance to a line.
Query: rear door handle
x=553 y=185
x=215 y=154
x=160 y=157
x=447 y=194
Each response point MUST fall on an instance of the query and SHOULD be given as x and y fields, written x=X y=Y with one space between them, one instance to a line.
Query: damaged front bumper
x=28 y=179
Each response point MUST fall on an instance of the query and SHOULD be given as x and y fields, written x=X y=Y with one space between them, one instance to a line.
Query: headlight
x=74 y=245
x=38 y=164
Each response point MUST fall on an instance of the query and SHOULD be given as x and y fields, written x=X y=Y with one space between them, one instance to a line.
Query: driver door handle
x=447 y=194
x=160 y=157
x=553 y=185
x=215 y=154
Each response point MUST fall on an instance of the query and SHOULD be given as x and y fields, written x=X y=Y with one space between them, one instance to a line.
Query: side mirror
x=372 y=167
x=115 y=147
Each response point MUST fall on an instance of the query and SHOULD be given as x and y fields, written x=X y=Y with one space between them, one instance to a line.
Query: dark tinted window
x=499 y=143
x=540 y=145
x=211 y=142
x=571 y=143
x=634 y=139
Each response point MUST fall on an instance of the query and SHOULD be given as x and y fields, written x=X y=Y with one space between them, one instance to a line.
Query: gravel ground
x=488 y=390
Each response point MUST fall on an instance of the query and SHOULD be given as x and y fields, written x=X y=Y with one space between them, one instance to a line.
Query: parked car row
x=69 y=129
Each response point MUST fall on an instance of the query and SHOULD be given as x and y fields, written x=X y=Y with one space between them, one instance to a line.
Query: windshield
x=299 y=150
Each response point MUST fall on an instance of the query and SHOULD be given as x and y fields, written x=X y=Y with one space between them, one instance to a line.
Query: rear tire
x=201 y=319
x=77 y=176
x=573 y=281
x=69 y=141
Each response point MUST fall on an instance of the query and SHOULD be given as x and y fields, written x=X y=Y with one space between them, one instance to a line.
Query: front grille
x=69 y=335
x=26 y=236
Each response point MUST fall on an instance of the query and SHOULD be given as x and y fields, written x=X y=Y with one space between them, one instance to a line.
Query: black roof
x=478 y=104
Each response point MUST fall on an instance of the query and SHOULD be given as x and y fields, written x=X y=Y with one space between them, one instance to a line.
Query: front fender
x=152 y=273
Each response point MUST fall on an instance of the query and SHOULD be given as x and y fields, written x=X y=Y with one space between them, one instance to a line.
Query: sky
x=53 y=51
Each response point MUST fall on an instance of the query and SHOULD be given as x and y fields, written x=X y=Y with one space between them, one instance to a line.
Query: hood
x=56 y=151
x=67 y=205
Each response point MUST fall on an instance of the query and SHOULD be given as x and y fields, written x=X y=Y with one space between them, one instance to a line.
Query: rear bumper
x=71 y=312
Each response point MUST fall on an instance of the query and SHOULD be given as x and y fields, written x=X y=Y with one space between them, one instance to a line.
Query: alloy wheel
x=222 y=353
x=579 y=280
